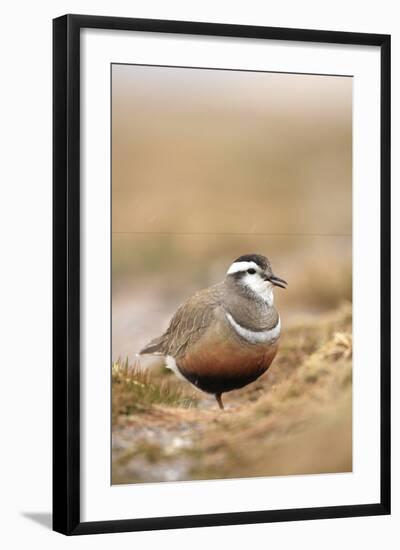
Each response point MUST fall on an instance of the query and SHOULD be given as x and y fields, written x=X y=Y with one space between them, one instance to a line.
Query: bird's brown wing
x=188 y=324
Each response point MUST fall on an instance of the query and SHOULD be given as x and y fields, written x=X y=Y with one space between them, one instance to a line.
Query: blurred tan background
x=208 y=165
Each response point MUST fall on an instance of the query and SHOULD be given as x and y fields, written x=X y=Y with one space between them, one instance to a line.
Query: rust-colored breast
x=221 y=360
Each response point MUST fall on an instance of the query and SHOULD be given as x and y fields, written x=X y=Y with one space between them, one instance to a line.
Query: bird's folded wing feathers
x=188 y=324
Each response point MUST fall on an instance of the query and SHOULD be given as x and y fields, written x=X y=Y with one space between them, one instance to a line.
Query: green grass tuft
x=135 y=390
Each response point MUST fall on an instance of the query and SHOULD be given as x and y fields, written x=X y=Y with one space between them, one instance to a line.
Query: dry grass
x=296 y=419
x=135 y=391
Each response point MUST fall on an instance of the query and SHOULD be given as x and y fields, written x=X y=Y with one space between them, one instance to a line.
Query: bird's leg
x=219 y=400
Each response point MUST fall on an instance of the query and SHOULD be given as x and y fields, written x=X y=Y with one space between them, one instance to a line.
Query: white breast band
x=256 y=337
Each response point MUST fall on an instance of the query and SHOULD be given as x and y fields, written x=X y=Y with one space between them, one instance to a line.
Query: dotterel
x=225 y=336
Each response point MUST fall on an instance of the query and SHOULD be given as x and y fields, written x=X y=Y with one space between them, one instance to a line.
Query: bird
x=225 y=336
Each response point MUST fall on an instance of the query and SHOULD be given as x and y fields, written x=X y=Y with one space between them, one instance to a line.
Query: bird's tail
x=155 y=347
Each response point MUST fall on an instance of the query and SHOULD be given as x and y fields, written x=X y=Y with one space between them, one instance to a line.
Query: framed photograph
x=221 y=274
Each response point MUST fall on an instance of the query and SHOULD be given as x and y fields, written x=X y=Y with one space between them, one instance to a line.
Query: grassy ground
x=296 y=419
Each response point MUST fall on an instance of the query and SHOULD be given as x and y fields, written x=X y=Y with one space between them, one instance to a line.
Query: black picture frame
x=66 y=273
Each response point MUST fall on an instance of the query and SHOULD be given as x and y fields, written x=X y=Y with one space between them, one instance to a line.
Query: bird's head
x=253 y=273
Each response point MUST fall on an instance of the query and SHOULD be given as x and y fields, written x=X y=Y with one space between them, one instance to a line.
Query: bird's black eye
x=251 y=271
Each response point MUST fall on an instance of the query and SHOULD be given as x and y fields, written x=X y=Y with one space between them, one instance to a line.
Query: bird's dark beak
x=277 y=281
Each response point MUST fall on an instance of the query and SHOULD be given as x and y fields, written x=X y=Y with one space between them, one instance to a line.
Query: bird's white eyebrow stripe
x=241 y=266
